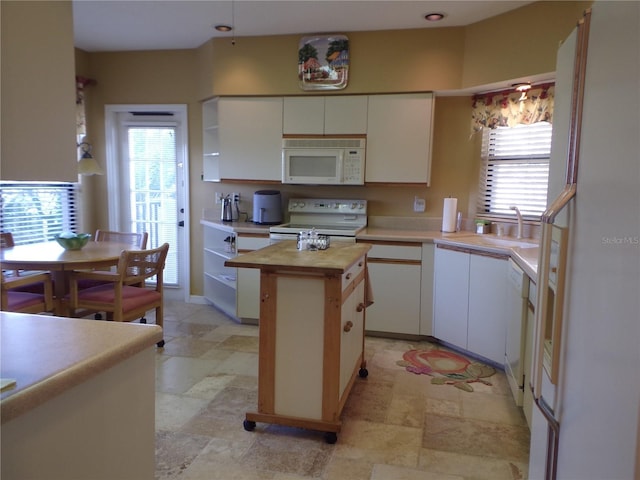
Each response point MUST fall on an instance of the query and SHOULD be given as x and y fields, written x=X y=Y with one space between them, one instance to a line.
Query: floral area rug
x=446 y=368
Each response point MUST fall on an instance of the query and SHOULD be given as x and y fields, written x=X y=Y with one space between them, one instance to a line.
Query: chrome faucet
x=519 y=215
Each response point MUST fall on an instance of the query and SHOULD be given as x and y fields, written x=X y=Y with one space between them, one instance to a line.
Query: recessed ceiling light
x=223 y=28
x=434 y=17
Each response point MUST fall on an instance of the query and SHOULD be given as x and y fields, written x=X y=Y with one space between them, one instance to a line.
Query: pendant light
x=87 y=165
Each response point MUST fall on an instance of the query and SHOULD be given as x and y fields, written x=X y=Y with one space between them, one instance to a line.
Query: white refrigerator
x=591 y=384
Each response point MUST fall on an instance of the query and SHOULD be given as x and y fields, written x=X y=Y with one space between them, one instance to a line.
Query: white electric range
x=340 y=219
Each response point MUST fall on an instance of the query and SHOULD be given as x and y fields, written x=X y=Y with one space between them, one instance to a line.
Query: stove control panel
x=332 y=205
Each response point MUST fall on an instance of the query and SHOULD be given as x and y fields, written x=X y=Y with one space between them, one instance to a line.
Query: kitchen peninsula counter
x=311 y=332
x=84 y=396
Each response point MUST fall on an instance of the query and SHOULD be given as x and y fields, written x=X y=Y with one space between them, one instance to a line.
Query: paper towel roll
x=449 y=214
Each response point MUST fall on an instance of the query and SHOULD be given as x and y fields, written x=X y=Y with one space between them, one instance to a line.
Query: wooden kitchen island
x=312 y=314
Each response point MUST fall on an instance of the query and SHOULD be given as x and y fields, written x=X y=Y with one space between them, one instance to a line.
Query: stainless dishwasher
x=518 y=293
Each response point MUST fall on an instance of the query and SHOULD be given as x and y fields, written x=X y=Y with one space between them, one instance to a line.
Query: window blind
x=515 y=170
x=35 y=212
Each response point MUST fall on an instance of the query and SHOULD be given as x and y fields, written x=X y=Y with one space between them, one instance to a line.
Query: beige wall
x=38 y=92
x=390 y=61
x=158 y=77
x=519 y=43
x=379 y=62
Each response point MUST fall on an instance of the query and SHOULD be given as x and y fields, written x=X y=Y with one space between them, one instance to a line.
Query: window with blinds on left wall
x=36 y=211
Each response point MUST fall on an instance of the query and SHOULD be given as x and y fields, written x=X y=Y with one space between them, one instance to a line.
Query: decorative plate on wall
x=323 y=62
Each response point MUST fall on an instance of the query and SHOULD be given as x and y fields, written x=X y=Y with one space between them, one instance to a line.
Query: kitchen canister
x=449 y=213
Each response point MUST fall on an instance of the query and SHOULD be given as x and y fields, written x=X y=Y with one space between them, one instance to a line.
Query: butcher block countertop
x=284 y=255
x=48 y=355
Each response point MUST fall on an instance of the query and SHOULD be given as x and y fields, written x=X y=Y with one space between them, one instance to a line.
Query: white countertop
x=48 y=355
x=398 y=229
x=237 y=227
x=524 y=252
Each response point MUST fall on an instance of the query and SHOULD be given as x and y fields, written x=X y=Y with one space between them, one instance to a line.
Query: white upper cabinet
x=210 y=141
x=242 y=136
x=325 y=115
x=250 y=135
x=399 y=131
x=345 y=114
x=303 y=115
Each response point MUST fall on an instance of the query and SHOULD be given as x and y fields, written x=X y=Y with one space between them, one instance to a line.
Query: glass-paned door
x=147 y=166
x=152 y=180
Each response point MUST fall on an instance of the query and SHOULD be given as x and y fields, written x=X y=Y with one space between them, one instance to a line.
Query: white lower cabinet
x=527 y=401
x=395 y=272
x=235 y=291
x=426 y=290
x=248 y=301
x=219 y=281
x=469 y=295
x=451 y=296
x=487 y=328
x=352 y=335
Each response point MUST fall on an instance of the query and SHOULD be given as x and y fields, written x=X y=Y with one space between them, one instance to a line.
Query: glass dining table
x=50 y=256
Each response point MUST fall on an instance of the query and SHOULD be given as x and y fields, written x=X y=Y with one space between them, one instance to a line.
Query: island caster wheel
x=248 y=425
x=143 y=320
x=160 y=344
x=330 y=437
x=363 y=373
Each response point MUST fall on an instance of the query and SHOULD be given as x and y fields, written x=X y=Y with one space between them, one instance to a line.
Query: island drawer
x=353 y=272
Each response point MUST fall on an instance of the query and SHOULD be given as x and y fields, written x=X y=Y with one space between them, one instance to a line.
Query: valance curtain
x=505 y=109
x=81 y=115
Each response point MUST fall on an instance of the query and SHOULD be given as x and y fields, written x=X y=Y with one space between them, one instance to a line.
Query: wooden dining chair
x=14 y=300
x=6 y=240
x=134 y=239
x=124 y=295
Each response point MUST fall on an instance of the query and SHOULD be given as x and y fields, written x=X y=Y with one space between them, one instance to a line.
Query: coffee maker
x=226 y=214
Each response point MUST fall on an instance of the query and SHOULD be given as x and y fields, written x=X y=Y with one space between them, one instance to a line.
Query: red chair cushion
x=132 y=297
x=21 y=300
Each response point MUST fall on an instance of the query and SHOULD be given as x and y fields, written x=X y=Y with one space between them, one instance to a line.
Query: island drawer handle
x=348 y=326
x=360 y=307
x=348 y=277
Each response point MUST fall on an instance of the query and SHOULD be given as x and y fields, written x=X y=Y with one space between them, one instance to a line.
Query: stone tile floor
x=396 y=425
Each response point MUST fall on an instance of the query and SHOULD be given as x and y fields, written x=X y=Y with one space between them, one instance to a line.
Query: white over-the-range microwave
x=323 y=160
